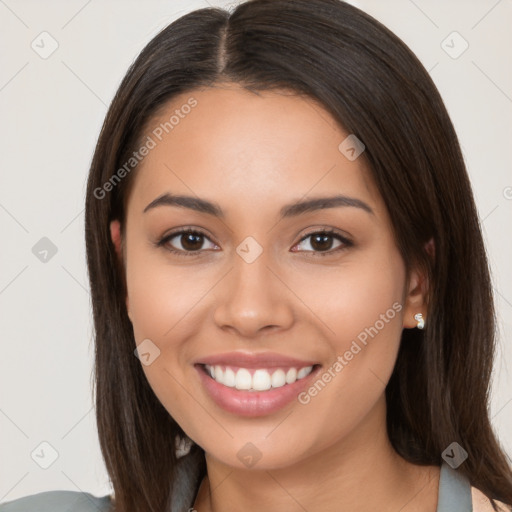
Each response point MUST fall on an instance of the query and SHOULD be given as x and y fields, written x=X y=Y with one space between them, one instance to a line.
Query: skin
x=252 y=154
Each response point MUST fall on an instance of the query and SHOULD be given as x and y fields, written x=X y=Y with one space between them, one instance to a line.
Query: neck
x=360 y=472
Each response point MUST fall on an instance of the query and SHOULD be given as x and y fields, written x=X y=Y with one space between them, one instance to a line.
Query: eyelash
x=187 y=231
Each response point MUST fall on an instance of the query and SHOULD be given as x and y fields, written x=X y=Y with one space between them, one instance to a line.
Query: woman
x=291 y=296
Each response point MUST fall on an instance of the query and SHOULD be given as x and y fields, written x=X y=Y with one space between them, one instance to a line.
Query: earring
x=182 y=445
x=419 y=318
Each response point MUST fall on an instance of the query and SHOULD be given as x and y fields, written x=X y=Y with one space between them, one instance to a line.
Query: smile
x=253 y=392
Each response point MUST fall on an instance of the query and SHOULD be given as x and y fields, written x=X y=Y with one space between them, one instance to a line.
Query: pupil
x=187 y=237
x=324 y=244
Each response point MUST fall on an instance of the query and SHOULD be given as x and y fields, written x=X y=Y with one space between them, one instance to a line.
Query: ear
x=416 y=294
x=117 y=240
x=115 y=234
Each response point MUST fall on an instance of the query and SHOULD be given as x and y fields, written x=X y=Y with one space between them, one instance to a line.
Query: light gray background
x=51 y=113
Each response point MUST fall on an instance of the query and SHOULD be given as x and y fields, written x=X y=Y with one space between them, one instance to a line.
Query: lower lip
x=253 y=403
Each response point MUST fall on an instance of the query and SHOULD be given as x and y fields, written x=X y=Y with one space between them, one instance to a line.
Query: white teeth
x=291 y=375
x=278 y=379
x=303 y=372
x=243 y=379
x=261 y=380
x=229 y=378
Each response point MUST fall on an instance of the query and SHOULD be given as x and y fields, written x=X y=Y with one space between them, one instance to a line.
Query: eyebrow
x=289 y=210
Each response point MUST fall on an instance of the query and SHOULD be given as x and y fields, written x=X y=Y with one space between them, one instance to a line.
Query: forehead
x=238 y=145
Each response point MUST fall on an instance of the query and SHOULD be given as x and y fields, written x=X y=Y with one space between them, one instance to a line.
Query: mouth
x=252 y=391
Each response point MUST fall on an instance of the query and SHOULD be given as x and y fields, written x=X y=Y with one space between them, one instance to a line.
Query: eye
x=190 y=240
x=322 y=241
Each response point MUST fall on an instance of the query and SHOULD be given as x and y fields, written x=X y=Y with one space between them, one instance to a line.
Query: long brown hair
x=377 y=89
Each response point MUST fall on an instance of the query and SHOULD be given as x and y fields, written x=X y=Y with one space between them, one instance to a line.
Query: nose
x=253 y=298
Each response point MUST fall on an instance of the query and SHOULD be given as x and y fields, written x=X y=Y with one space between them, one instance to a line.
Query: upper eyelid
x=185 y=230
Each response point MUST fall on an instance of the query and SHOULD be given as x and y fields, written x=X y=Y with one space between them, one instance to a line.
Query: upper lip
x=254 y=360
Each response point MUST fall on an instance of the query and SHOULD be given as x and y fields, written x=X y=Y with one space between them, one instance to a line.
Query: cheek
x=159 y=309
x=364 y=292
x=161 y=295
x=166 y=307
x=363 y=302
x=362 y=308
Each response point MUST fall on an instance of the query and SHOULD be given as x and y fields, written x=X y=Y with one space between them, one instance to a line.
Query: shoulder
x=58 y=501
x=481 y=502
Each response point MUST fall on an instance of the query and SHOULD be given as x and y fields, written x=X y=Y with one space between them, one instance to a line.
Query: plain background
x=51 y=113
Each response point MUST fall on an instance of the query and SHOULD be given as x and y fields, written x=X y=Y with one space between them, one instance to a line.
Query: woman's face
x=263 y=294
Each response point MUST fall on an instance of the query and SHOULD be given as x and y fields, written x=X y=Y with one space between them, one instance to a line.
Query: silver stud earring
x=182 y=445
x=419 y=318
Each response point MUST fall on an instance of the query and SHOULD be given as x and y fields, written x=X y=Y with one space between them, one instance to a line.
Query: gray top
x=454 y=496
